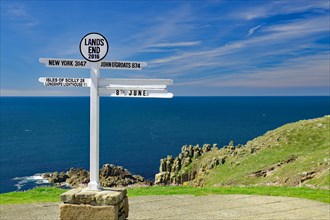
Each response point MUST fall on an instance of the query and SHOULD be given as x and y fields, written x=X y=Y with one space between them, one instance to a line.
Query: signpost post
x=94 y=130
x=94 y=47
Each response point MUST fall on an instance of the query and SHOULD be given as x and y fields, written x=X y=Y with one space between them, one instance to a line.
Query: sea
x=47 y=134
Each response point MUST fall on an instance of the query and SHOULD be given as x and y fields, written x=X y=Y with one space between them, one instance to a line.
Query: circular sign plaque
x=94 y=47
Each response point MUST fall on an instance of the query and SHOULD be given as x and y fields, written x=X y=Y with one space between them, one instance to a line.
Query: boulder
x=162 y=178
x=206 y=148
x=110 y=176
x=58 y=177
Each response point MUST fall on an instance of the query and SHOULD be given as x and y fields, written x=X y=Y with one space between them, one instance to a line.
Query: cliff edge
x=296 y=154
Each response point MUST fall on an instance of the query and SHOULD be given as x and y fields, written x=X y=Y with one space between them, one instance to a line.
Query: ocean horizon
x=47 y=134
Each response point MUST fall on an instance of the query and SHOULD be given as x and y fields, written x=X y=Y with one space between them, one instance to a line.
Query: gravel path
x=193 y=207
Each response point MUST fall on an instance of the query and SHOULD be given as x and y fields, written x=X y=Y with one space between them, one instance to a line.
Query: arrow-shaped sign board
x=74 y=63
x=123 y=65
x=106 y=82
x=135 y=93
x=65 y=82
x=65 y=63
x=143 y=88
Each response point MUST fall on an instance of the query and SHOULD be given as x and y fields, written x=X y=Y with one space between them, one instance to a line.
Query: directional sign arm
x=65 y=63
x=123 y=65
x=134 y=82
x=148 y=87
x=65 y=82
x=75 y=63
x=141 y=88
x=135 y=93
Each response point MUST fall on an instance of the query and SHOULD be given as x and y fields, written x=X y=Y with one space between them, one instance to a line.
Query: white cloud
x=177 y=44
x=161 y=32
x=20 y=16
x=272 y=41
x=302 y=27
x=158 y=50
x=15 y=11
x=253 y=30
x=309 y=71
x=272 y=8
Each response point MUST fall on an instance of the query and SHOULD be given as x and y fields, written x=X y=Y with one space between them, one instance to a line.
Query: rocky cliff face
x=294 y=155
x=179 y=170
x=110 y=176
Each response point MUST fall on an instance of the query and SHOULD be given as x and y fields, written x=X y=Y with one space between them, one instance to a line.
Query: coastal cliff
x=296 y=154
x=178 y=170
x=183 y=168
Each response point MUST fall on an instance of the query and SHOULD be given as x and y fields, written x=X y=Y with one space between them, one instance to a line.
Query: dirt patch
x=273 y=168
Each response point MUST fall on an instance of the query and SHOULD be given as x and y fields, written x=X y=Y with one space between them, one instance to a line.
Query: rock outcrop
x=179 y=170
x=193 y=163
x=110 y=176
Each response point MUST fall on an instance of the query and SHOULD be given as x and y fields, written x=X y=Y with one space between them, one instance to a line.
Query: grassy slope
x=308 y=140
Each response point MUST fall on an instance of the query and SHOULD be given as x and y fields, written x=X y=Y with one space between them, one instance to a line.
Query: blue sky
x=209 y=48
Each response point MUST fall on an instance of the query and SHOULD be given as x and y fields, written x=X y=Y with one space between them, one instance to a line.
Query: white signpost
x=94 y=47
x=74 y=63
x=71 y=82
x=143 y=88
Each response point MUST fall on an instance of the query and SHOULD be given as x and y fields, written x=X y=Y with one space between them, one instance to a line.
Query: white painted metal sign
x=65 y=82
x=75 y=63
x=94 y=47
x=65 y=63
x=134 y=82
x=123 y=65
x=139 y=88
x=135 y=93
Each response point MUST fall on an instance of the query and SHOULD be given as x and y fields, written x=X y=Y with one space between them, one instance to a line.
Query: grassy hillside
x=296 y=154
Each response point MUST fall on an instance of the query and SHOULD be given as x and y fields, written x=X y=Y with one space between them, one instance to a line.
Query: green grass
x=52 y=194
x=305 y=193
x=36 y=195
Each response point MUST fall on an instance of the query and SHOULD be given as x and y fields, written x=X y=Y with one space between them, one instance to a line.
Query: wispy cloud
x=271 y=35
x=19 y=13
x=306 y=26
x=253 y=30
x=159 y=50
x=161 y=32
x=309 y=71
x=271 y=8
x=15 y=11
x=177 y=44
x=278 y=59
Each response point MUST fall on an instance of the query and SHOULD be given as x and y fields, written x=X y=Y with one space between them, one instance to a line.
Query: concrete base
x=81 y=203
